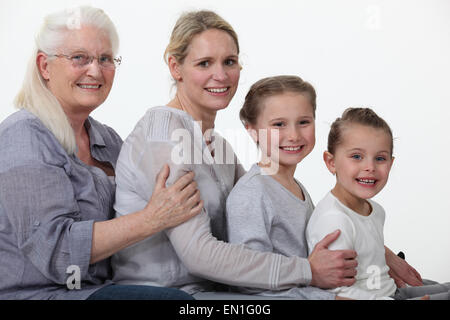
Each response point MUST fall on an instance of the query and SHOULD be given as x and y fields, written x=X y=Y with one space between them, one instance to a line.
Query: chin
x=218 y=103
x=366 y=195
x=218 y=107
x=92 y=101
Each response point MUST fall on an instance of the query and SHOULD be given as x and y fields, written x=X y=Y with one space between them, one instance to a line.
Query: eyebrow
x=277 y=119
x=302 y=117
x=74 y=50
x=210 y=58
x=362 y=150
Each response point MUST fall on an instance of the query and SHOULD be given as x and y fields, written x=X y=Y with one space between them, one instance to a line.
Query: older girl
x=268 y=209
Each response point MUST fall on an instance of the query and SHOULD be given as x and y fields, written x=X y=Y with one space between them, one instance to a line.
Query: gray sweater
x=265 y=216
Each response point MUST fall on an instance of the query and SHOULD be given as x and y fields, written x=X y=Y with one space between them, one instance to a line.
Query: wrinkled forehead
x=90 y=39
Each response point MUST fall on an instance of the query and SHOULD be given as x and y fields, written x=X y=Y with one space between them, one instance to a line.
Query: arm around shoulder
x=234 y=264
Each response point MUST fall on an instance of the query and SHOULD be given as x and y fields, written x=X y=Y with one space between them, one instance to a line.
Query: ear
x=174 y=67
x=392 y=162
x=252 y=132
x=328 y=158
x=42 y=64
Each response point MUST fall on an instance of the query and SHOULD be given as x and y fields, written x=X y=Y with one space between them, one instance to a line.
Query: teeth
x=218 y=90
x=85 y=86
x=366 y=181
x=291 y=148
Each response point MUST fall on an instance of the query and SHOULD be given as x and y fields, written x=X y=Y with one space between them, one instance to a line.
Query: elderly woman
x=57 y=170
x=203 y=56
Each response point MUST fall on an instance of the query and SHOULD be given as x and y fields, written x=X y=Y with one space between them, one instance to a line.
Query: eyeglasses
x=80 y=60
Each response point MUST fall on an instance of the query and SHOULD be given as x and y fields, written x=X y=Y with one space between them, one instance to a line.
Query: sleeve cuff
x=81 y=245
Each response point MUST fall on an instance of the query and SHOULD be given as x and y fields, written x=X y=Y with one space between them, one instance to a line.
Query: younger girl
x=268 y=208
x=360 y=148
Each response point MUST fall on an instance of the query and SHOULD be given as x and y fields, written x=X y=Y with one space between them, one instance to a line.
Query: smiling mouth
x=292 y=149
x=217 y=90
x=89 y=86
x=366 y=182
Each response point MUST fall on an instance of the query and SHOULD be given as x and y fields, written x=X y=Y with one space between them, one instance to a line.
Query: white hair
x=34 y=95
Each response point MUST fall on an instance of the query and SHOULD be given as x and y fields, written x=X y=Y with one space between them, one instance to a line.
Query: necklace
x=207 y=140
x=179 y=102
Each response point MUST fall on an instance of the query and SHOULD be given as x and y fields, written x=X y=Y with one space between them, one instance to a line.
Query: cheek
x=345 y=170
x=310 y=136
x=268 y=140
x=109 y=78
x=190 y=77
x=234 y=76
x=274 y=138
x=385 y=171
x=197 y=79
x=266 y=136
x=109 y=75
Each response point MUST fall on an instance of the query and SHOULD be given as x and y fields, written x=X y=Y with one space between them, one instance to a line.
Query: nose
x=293 y=133
x=94 y=69
x=219 y=73
x=369 y=165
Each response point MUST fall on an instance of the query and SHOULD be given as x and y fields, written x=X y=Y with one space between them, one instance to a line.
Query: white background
x=393 y=56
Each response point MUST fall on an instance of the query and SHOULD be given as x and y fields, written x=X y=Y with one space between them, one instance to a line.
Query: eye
x=204 y=63
x=380 y=158
x=356 y=156
x=304 y=122
x=79 y=57
x=230 y=62
x=105 y=59
x=278 y=124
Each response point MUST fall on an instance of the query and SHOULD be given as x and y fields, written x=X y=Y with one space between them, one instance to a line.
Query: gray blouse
x=48 y=204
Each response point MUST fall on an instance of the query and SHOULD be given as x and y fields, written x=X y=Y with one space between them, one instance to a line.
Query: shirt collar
x=94 y=135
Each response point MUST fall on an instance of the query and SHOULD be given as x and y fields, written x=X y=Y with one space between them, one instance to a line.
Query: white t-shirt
x=364 y=234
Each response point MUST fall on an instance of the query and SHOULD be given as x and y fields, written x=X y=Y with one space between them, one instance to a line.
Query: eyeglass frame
x=115 y=61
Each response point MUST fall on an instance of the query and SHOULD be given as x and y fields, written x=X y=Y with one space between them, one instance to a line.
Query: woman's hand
x=169 y=207
x=401 y=271
x=332 y=268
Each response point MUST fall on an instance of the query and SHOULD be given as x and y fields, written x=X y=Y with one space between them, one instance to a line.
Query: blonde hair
x=362 y=116
x=34 y=95
x=271 y=86
x=191 y=24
